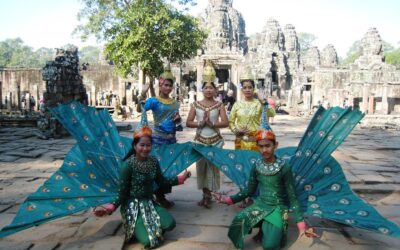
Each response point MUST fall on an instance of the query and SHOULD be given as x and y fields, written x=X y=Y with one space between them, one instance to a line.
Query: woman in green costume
x=143 y=219
x=274 y=178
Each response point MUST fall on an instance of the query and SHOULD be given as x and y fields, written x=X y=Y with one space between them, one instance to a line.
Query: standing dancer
x=245 y=116
x=210 y=116
x=166 y=122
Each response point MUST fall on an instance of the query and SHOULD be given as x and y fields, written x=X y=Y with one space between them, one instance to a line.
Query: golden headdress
x=166 y=75
x=141 y=132
x=209 y=74
x=246 y=74
x=262 y=134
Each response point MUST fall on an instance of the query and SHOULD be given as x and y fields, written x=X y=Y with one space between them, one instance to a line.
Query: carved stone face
x=372 y=44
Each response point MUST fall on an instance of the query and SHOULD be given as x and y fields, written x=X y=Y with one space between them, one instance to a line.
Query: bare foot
x=258 y=236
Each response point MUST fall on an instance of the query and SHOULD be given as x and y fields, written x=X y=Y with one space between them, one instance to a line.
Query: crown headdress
x=209 y=74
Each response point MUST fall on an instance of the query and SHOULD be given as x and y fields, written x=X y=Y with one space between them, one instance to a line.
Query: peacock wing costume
x=90 y=173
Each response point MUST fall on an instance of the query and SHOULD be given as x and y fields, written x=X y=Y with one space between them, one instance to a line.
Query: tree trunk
x=152 y=91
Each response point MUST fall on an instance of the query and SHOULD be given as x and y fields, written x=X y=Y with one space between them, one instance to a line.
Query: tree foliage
x=141 y=33
x=89 y=54
x=306 y=41
x=354 y=53
x=393 y=57
x=14 y=53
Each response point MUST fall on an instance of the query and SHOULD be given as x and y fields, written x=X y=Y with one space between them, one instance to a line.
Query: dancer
x=210 y=116
x=274 y=178
x=143 y=219
x=89 y=175
x=166 y=122
x=244 y=118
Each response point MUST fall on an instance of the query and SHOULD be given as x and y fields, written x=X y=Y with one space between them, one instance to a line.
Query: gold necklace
x=165 y=100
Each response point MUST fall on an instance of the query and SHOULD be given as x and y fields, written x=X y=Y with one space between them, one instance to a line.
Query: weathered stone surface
x=368 y=239
x=15 y=245
x=8 y=158
x=50 y=245
x=329 y=58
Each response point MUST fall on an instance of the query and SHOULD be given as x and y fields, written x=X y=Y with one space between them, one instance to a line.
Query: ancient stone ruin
x=63 y=84
x=300 y=81
x=63 y=81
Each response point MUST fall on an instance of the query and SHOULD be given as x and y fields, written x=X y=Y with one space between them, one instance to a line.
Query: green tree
x=89 y=54
x=354 y=51
x=142 y=33
x=393 y=57
x=306 y=41
x=42 y=55
x=14 y=53
x=7 y=49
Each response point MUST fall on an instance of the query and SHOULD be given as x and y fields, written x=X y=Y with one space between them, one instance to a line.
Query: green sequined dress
x=275 y=183
x=143 y=218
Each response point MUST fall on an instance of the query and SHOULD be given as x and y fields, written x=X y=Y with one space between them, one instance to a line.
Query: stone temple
x=299 y=81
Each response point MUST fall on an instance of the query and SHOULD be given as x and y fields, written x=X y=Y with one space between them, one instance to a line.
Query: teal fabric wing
x=69 y=190
x=235 y=164
x=89 y=174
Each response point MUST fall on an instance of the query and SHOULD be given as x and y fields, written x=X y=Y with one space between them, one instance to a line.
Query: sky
x=50 y=23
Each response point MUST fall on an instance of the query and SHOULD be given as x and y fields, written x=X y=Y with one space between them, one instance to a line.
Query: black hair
x=273 y=141
x=170 y=81
x=204 y=84
x=248 y=80
x=132 y=151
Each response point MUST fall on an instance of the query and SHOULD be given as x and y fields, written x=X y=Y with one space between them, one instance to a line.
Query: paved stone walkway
x=368 y=157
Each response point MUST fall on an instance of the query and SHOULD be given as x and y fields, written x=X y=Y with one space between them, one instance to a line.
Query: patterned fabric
x=245 y=115
x=163 y=112
x=89 y=175
x=208 y=175
x=275 y=183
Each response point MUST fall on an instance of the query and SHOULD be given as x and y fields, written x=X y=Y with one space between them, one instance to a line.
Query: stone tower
x=329 y=58
x=226 y=43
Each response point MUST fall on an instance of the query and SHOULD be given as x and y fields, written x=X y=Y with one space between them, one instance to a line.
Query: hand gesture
x=304 y=230
x=242 y=131
x=145 y=88
x=222 y=198
x=186 y=175
x=104 y=210
x=177 y=118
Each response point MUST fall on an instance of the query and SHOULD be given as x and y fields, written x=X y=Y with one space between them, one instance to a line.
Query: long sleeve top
x=275 y=182
x=137 y=179
x=245 y=115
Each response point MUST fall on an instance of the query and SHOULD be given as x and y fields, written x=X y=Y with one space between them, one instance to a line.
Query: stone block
x=8 y=158
x=198 y=233
x=103 y=243
x=100 y=227
x=14 y=245
x=51 y=245
x=370 y=239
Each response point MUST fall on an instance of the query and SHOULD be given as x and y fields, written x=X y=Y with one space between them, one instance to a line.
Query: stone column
x=92 y=98
x=364 y=105
x=121 y=90
x=19 y=97
x=35 y=91
x=199 y=69
x=385 y=102
x=307 y=100
x=10 y=100
x=235 y=80
x=371 y=103
x=1 y=94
